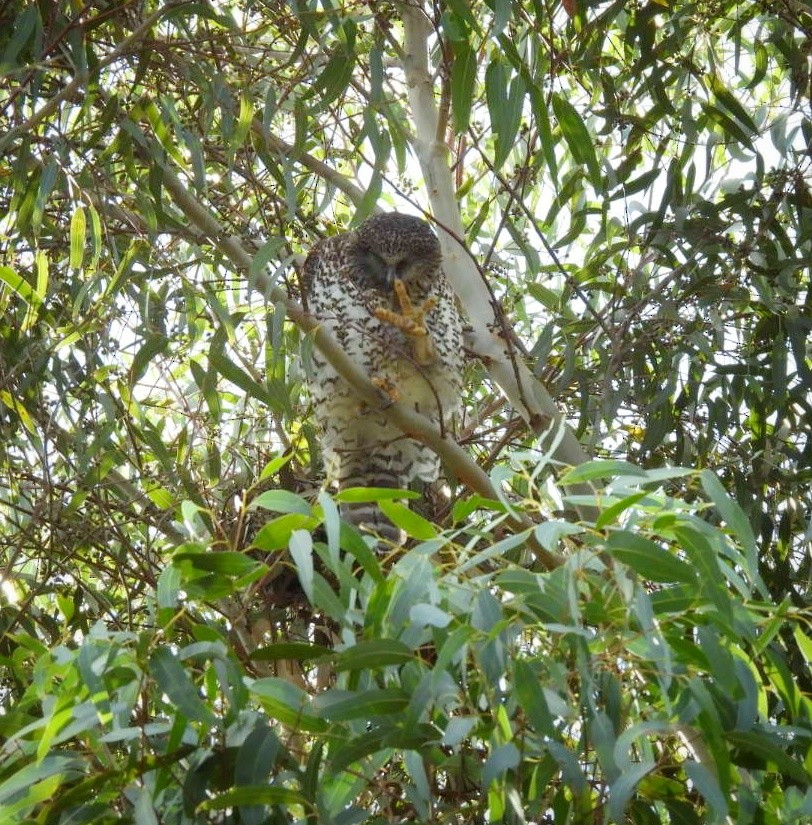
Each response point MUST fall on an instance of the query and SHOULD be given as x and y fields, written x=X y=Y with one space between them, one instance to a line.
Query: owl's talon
x=410 y=321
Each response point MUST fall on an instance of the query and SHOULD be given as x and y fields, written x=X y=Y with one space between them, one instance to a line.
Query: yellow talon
x=410 y=321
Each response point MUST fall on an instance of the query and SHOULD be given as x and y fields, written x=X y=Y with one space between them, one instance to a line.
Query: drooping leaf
x=577 y=137
x=648 y=559
x=174 y=681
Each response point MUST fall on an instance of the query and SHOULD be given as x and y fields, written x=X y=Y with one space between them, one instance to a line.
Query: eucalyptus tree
x=622 y=196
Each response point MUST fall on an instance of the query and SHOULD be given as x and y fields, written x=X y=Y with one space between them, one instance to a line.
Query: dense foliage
x=188 y=633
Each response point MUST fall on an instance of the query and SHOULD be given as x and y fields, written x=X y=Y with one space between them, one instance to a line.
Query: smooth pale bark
x=529 y=397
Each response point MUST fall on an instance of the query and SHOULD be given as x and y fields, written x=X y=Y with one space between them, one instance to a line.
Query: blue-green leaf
x=174 y=681
x=301 y=551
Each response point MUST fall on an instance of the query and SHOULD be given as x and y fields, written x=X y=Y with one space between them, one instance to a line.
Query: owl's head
x=394 y=246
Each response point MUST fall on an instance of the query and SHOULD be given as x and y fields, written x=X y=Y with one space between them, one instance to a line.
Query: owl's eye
x=371 y=267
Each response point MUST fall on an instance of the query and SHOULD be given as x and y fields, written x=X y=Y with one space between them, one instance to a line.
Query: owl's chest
x=388 y=355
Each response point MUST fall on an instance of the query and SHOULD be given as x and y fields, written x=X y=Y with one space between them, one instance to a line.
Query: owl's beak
x=391 y=275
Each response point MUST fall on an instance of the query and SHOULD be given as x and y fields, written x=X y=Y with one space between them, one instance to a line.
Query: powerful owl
x=381 y=291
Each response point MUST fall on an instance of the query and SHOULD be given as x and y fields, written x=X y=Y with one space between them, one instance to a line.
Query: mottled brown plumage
x=381 y=291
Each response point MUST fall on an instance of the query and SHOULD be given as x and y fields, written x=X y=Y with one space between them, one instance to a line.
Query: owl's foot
x=389 y=387
x=410 y=321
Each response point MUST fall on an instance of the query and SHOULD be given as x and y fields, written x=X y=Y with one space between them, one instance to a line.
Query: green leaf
x=610 y=514
x=769 y=750
x=531 y=697
x=281 y=501
x=707 y=785
x=342 y=706
x=331 y=519
x=804 y=643
x=253 y=795
x=502 y=759
x=410 y=522
x=25 y=22
x=49 y=177
x=623 y=788
x=18 y=284
x=452 y=647
x=228 y=562
x=122 y=275
x=731 y=127
x=501 y=16
x=731 y=103
x=464 y=17
x=65 y=767
x=577 y=137
x=42 y=275
x=706 y=564
x=463 y=77
x=287 y=703
x=660 y=474
x=505 y=100
x=734 y=516
x=78 y=233
x=275 y=465
x=301 y=551
x=675 y=599
x=155 y=344
x=760 y=64
x=206 y=380
x=244 y=120
x=648 y=559
x=336 y=75
x=174 y=681
x=429 y=615
x=169 y=583
x=239 y=377
x=259 y=263
x=464 y=507
x=458 y=729
x=542 y=116
x=371 y=654
x=276 y=534
x=354 y=750
x=295 y=651
x=600 y=469
x=95 y=237
x=359 y=495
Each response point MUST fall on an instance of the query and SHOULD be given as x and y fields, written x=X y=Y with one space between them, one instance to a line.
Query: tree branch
x=81 y=79
x=528 y=396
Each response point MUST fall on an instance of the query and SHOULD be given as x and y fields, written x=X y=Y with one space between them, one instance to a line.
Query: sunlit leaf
x=413 y=524
x=339 y=705
x=78 y=232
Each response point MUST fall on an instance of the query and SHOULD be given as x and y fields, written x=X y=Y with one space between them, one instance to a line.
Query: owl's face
x=394 y=246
